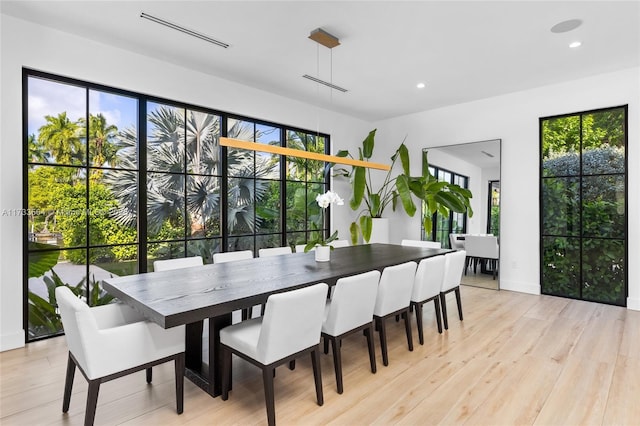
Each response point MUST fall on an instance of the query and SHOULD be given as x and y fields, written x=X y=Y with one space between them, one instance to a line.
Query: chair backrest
x=339 y=243
x=352 y=303
x=300 y=248
x=481 y=246
x=394 y=291
x=453 y=269
x=79 y=324
x=292 y=322
x=454 y=243
x=232 y=256
x=420 y=243
x=428 y=279
x=274 y=251
x=183 y=262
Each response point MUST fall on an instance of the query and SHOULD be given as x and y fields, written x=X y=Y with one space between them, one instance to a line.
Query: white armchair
x=181 y=262
x=274 y=251
x=483 y=249
x=420 y=243
x=104 y=345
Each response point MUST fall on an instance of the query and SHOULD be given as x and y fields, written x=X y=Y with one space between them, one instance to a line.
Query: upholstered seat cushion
x=243 y=337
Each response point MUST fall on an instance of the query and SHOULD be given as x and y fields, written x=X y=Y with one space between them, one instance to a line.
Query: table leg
x=215 y=355
x=193 y=346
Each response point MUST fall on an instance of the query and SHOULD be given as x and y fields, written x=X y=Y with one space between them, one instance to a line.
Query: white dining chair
x=274 y=251
x=420 y=243
x=455 y=243
x=289 y=329
x=182 y=262
x=483 y=249
x=426 y=288
x=339 y=243
x=232 y=256
x=454 y=264
x=393 y=298
x=300 y=248
x=110 y=341
x=350 y=310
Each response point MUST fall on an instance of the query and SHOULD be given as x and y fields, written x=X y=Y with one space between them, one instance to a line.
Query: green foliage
x=41 y=261
x=437 y=196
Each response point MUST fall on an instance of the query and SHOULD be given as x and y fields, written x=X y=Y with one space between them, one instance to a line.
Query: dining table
x=211 y=292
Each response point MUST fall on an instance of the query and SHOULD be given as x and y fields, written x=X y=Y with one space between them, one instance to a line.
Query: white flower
x=329 y=197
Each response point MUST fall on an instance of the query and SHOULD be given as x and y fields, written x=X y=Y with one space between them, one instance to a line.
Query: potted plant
x=436 y=196
x=317 y=241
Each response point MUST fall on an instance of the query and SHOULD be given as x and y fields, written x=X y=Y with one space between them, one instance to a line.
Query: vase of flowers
x=321 y=245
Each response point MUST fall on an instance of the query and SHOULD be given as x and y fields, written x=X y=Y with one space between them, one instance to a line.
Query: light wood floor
x=516 y=359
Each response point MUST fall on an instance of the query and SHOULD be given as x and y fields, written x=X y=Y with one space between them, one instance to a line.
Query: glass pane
x=603 y=136
x=268 y=208
x=561 y=266
x=315 y=169
x=315 y=215
x=241 y=202
x=123 y=186
x=165 y=140
x=57 y=205
x=603 y=206
x=240 y=243
x=108 y=222
x=46 y=272
x=603 y=269
x=203 y=206
x=296 y=167
x=203 y=143
x=114 y=261
x=267 y=165
x=165 y=206
x=239 y=129
x=561 y=146
x=113 y=131
x=161 y=251
x=295 y=238
x=56 y=115
x=561 y=206
x=266 y=241
x=296 y=206
x=204 y=248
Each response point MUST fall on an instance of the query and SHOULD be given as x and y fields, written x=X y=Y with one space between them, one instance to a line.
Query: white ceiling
x=463 y=51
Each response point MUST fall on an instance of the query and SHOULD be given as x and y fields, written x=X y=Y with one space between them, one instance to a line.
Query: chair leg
x=246 y=314
x=382 y=330
x=269 y=396
x=149 y=374
x=225 y=355
x=372 y=350
x=292 y=365
x=68 y=383
x=92 y=401
x=317 y=374
x=436 y=302
x=326 y=345
x=443 y=305
x=407 y=327
x=337 y=363
x=179 y=366
x=418 y=311
x=459 y=301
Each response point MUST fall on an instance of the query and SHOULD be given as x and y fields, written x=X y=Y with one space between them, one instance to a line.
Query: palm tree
x=36 y=151
x=61 y=137
x=102 y=147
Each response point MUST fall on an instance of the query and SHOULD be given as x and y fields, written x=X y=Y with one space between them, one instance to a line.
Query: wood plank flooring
x=516 y=359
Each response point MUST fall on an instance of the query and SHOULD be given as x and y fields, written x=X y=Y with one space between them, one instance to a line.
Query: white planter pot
x=380 y=230
x=323 y=253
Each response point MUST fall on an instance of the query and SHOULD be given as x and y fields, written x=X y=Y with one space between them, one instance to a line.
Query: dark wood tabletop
x=183 y=296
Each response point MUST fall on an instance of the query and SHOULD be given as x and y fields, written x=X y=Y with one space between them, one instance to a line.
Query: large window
x=583 y=213
x=115 y=180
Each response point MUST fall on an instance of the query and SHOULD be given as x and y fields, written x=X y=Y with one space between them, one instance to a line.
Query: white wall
x=514 y=119
x=37 y=47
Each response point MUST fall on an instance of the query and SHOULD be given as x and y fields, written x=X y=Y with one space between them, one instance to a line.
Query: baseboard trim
x=633 y=304
x=11 y=341
x=519 y=287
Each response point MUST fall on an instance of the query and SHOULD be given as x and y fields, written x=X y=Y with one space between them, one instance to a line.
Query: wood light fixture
x=253 y=146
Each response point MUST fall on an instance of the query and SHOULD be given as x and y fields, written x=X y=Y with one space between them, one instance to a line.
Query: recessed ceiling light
x=566 y=26
x=575 y=44
x=420 y=85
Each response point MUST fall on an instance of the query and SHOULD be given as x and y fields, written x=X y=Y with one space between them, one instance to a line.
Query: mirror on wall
x=476 y=166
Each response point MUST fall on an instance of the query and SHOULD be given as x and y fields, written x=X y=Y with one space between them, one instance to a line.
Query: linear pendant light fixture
x=271 y=149
x=183 y=30
x=326 y=83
